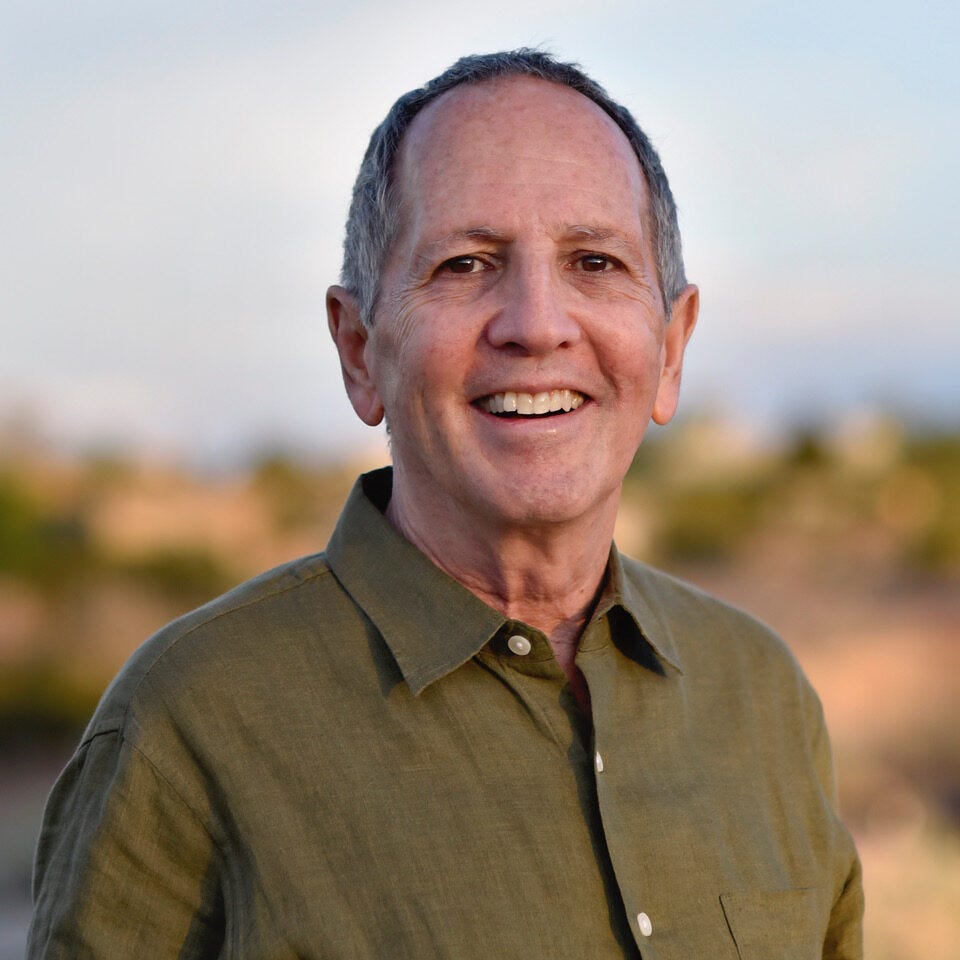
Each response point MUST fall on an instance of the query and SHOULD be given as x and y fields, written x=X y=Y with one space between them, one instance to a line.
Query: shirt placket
x=521 y=656
x=524 y=652
x=598 y=662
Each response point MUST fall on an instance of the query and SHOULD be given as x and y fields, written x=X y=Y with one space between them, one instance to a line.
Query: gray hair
x=373 y=220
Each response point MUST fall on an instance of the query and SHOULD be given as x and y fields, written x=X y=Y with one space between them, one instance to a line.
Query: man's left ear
x=683 y=319
x=352 y=339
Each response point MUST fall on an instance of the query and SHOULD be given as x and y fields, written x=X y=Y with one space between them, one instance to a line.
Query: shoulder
x=683 y=603
x=709 y=635
x=248 y=627
x=736 y=671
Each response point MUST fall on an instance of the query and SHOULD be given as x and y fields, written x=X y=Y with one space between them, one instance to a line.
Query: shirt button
x=519 y=645
x=598 y=760
x=643 y=922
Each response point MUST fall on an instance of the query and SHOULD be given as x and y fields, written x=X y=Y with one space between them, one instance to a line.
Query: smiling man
x=522 y=276
x=471 y=728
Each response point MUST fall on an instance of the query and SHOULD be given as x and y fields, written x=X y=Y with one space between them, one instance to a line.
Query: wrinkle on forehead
x=551 y=115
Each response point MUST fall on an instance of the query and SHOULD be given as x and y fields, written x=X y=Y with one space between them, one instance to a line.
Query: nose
x=534 y=317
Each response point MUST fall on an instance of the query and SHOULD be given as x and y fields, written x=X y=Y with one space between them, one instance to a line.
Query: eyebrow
x=601 y=234
x=425 y=256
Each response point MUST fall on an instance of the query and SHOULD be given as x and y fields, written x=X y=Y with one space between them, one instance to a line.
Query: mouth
x=516 y=403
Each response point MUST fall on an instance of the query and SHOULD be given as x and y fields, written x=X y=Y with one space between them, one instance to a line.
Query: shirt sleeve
x=844 y=937
x=124 y=868
x=844 y=940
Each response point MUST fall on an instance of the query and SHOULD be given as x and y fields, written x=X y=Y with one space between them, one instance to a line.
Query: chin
x=543 y=508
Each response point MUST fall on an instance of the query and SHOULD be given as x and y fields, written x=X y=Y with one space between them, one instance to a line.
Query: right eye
x=462 y=265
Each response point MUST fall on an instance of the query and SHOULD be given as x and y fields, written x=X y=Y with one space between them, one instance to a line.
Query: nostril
x=514 y=330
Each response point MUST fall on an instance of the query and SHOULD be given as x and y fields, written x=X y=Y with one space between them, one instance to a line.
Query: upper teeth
x=549 y=401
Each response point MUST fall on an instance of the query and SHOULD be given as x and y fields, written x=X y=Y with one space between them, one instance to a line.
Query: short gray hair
x=373 y=220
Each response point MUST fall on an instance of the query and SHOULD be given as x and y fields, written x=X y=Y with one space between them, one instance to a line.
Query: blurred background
x=174 y=183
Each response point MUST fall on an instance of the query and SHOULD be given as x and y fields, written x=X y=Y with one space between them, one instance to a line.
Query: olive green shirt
x=349 y=757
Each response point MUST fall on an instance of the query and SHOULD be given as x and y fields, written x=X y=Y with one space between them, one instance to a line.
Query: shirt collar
x=430 y=622
x=636 y=594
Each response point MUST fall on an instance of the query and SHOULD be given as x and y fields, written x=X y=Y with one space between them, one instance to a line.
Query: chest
x=484 y=819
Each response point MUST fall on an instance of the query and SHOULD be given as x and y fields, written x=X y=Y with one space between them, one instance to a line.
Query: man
x=471 y=728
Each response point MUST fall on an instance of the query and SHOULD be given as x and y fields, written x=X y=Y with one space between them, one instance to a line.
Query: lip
x=482 y=392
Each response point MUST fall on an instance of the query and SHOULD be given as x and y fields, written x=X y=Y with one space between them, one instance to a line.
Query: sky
x=174 y=179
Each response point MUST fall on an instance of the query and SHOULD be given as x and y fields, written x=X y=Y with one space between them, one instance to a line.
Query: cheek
x=415 y=375
x=634 y=356
x=392 y=349
x=395 y=334
x=416 y=333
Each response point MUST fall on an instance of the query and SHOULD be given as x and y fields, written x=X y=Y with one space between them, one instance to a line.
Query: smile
x=521 y=404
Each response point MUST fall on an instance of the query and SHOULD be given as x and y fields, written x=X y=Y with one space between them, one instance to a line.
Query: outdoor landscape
x=846 y=540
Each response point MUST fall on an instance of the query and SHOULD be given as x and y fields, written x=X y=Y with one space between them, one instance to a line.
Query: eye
x=596 y=263
x=464 y=264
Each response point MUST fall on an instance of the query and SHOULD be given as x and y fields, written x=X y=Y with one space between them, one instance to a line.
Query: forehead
x=514 y=140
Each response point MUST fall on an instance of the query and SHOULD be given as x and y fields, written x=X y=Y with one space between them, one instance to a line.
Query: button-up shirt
x=354 y=757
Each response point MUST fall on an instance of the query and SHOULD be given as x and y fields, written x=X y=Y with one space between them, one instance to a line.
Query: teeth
x=529 y=404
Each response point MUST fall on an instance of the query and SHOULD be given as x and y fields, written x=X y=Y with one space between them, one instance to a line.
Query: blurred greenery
x=937 y=460
x=906 y=489
x=188 y=573
x=43 y=546
x=290 y=488
x=705 y=496
x=41 y=702
x=50 y=549
x=710 y=520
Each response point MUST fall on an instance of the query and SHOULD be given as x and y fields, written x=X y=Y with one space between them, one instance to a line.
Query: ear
x=352 y=338
x=683 y=318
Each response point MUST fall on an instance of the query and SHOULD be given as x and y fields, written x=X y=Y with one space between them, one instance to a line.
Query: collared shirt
x=353 y=757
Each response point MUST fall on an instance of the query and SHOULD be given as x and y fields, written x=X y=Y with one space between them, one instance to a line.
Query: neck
x=547 y=575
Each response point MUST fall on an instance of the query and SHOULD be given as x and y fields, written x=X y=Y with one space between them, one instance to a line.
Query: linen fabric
x=344 y=758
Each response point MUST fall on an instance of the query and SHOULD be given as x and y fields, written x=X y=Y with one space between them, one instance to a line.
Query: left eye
x=595 y=263
x=462 y=265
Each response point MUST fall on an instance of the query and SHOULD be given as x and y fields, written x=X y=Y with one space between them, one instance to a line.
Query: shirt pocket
x=776 y=924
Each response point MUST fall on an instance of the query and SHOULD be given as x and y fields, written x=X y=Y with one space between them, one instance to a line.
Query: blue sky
x=175 y=178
